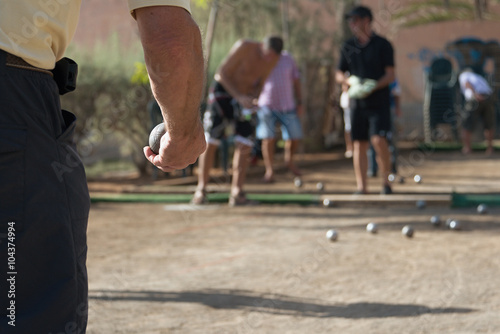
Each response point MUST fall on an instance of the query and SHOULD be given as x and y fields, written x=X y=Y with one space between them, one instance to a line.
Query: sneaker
x=386 y=190
x=200 y=197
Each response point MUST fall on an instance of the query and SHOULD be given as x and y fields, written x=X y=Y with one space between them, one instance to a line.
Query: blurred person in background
x=369 y=59
x=280 y=102
x=479 y=104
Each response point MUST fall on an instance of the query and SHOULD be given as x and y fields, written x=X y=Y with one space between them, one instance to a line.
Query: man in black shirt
x=367 y=67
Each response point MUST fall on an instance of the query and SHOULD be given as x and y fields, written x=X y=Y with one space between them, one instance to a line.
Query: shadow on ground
x=274 y=303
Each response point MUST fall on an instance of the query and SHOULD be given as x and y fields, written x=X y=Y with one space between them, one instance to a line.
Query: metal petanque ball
x=297 y=182
x=408 y=231
x=482 y=209
x=448 y=222
x=455 y=225
x=327 y=203
x=417 y=178
x=320 y=186
x=332 y=235
x=372 y=228
x=435 y=221
x=155 y=137
x=391 y=178
x=421 y=204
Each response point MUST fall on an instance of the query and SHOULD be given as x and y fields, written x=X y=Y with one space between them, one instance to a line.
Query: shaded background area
x=113 y=96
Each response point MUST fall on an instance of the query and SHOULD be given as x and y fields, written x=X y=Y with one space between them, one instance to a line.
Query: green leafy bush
x=110 y=102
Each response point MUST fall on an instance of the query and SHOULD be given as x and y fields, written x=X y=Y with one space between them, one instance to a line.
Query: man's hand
x=176 y=152
x=480 y=97
x=360 y=89
x=246 y=101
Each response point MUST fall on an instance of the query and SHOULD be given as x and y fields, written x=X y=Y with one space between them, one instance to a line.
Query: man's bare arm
x=174 y=58
x=386 y=79
x=340 y=77
x=298 y=95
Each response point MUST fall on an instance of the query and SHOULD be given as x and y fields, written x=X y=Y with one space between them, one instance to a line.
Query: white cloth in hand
x=360 y=89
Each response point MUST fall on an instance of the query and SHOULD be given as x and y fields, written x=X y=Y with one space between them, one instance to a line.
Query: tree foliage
x=254 y=19
x=423 y=12
x=110 y=102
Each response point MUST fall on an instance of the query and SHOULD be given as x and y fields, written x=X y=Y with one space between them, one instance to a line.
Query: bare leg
x=466 y=141
x=488 y=135
x=383 y=157
x=241 y=160
x=290 y=149
x=268 y=155
x=360 y=162
x=205 y=163
x=348 y=144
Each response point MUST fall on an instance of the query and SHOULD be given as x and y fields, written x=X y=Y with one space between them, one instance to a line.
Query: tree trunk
x=478 y=10
x=212 y=20
x=285 y=24
x=484 y=6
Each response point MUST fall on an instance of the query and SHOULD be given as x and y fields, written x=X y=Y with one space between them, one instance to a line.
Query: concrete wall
x=416 y=48
x=101 y=18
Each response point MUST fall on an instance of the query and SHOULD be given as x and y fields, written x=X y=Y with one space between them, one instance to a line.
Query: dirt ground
x=177 y=268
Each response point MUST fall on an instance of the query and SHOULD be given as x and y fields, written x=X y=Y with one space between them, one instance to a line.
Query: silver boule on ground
x=482 y=209
x=408 y=231
x=372 y=227
x=332 y=235
x=435 y=220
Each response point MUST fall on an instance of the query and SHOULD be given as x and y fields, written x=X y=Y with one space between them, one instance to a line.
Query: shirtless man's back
x=246 y=67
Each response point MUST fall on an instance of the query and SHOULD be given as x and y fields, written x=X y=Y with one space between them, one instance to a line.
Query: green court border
x=469 y=200
x=452 y=146
x=457 y=200
x=302 y=199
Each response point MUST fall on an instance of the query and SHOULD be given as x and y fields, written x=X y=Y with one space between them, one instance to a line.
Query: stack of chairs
x=440 y=98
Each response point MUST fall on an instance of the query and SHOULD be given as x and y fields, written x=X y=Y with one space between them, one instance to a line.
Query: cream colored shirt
x=40 y=30
x=134 y=4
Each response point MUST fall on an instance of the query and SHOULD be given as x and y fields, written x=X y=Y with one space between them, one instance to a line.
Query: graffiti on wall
x=469 y=52
x=440 y=98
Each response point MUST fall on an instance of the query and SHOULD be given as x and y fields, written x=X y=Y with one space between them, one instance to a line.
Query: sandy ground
x=156 y=268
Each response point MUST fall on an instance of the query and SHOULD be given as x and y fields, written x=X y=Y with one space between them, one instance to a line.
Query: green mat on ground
x=303 y=199
x=468 y=200
x=447 y=146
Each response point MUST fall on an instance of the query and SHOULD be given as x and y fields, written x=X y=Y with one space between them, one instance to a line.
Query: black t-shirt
x=368 y=62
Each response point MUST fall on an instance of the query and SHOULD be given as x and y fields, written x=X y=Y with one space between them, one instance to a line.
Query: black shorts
x=44 y=206
x=475 y=110
x=366 y=123
x=225 y=116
